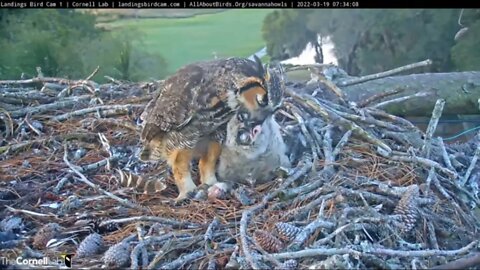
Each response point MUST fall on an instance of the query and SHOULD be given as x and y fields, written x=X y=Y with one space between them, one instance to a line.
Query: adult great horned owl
x=188 y=118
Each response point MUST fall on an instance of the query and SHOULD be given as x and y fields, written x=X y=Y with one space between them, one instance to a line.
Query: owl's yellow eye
x=262 y=100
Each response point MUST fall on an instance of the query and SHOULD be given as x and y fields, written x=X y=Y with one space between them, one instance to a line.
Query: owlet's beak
x=254 y=132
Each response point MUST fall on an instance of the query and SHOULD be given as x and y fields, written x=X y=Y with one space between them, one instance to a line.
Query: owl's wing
x=174 y=107
x=201 y=91
x=150 y=106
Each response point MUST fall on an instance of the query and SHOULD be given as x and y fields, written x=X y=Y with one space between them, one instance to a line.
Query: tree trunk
x=461 y=91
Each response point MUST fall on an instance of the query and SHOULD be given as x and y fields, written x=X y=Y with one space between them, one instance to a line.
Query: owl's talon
x=181 y=200
x=200 y=195
x=191 y=194
x=184 y=197
x=204 y=187
x=219 y=190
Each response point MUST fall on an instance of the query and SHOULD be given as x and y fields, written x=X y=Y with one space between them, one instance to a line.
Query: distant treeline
x=66 y=43
x=368 y=41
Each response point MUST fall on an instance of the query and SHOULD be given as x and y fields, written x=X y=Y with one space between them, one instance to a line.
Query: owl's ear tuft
x=260 y=68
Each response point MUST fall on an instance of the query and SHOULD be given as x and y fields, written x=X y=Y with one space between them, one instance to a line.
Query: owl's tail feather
x=139 y=183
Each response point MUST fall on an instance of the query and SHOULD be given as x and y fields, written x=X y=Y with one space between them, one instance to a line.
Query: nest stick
x=35 y=80
x=445 y=156
x=301 y=211
x=317 y=138
x=247 y=213
x=28 y=212
x=208 y=237
x=49 y=107
x=303 y=192
x=162 y=240
x=178 y=263
x=11 y=148
x=314 y=252
x=308 y=136
x=462 y=263
x=425 y=162
x=110 y=123
x=343 y=141
x=311 y=103
x=473 y=163
x=89 y=77
x=84 y=179
x=150 y=219
x=400 y=99
x=212 y=264
x=432 y=236
x=431 y=174
x=98 y=109
x=307 y=232
x=333 y=87
x=384 y=74
x=367 y=120
x=7 y=119
x=391 y=117
x=379 y=96
x=96 y=165
x=425 y=253
x=327 y=149
x=432 y=126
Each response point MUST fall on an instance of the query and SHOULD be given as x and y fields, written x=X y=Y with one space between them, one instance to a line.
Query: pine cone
x=117 y=255
x=288 y=265
x=91 y=245
x=45 y=234
x=268 y=242
x=407 y=209
x=287 y=232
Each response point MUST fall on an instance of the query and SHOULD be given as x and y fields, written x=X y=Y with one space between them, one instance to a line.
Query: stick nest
x=367 y=190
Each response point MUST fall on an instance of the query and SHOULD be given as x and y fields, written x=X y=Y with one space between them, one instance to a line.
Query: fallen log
x=460 y=90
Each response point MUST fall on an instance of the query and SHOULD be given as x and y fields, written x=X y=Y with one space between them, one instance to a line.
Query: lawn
x=181 y=41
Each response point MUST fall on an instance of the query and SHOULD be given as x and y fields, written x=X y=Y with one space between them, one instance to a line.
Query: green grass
x=181 y=41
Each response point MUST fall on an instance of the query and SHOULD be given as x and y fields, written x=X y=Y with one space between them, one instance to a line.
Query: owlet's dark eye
x=262 y=100
x=242 y=116
x=243 y=138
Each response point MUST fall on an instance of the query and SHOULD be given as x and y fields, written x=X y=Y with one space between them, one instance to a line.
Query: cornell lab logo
x=67 y=260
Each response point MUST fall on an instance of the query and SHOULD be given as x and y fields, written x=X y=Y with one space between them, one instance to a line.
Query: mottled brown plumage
x=188 y=117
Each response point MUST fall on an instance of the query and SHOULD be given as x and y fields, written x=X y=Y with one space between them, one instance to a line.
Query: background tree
x=66 y=43
x=466 y=52
x=369 y=41
x=286 y=34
